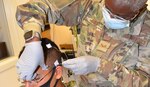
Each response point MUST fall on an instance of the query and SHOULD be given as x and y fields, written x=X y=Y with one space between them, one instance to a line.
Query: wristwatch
x=31 y=34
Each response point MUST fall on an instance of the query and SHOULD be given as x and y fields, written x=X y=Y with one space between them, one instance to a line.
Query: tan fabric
x=32 y=26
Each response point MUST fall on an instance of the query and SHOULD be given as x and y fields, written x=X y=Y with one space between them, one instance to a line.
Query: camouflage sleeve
x=122 y=77
x=36 y=11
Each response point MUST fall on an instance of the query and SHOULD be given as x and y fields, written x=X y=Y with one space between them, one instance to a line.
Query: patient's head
x=50 y=77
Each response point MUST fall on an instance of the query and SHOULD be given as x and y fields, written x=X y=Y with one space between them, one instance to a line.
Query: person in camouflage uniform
x=110 y=53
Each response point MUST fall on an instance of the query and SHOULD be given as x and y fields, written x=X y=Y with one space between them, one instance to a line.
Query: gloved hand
x=82 y=65
x=29 y=60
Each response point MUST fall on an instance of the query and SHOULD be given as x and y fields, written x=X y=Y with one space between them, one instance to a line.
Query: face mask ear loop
x=54 y=68
x=56 y=82
x=53 y=71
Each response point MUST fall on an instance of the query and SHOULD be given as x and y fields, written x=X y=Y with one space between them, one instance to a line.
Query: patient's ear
x=58 y=72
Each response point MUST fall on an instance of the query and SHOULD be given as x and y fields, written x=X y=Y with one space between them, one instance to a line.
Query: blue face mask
x=114 y=23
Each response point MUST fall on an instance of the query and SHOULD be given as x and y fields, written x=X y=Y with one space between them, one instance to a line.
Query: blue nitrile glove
x=82 y=65
x=29 y=60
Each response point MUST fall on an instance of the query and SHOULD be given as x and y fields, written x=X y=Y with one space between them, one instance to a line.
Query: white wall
x=4 y=31
x=11 y=33
x=148 y=2
x=8 y=75
x=16 y=34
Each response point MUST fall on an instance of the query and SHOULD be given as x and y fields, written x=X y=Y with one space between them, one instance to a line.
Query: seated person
x=52 y=76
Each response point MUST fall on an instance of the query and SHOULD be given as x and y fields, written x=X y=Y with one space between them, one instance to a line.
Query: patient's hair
x=21 y=51
x=51 y=54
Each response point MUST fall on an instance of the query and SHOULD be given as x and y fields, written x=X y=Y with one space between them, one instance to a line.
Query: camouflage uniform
x=124 y=54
